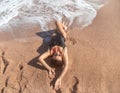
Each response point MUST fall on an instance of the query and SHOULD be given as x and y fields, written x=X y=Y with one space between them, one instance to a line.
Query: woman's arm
x=61 y=29
x=51 y=71
x=65 y=60
x=42 y=59
x=58 y=81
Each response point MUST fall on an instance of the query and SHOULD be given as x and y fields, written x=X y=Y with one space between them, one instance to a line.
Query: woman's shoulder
x=65 y=50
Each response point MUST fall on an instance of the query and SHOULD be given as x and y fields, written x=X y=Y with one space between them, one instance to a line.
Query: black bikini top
x=58 y=40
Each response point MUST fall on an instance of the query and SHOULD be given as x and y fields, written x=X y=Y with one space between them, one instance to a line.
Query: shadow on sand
x=46 y=37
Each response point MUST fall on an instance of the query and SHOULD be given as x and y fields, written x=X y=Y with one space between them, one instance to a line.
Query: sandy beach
x=94 y=55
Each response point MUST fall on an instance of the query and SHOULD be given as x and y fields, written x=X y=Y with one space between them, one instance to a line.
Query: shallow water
x=46 y=11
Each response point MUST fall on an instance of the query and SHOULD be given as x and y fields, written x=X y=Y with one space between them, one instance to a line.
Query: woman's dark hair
x=55 y=63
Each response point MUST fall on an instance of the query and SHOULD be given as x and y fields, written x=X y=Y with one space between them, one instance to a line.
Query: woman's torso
x=57 y=43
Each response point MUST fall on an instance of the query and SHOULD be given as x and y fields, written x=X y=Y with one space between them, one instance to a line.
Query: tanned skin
x=63 y=56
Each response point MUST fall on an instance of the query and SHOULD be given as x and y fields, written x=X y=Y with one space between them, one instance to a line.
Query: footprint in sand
x=5 y=62
x=75 y=83
x=6 y=84
x=2 y=90
x=72 y=41
x=6 y=81
x=20 y=66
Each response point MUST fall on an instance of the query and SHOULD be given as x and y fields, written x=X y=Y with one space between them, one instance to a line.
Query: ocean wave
x=45 y=11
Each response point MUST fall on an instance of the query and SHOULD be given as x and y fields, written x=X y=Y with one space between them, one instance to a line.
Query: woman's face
x=57 y=56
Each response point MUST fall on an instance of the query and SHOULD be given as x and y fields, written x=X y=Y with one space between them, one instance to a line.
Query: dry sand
x=94 y=56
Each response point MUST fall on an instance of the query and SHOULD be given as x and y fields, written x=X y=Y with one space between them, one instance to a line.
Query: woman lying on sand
x=58 y=52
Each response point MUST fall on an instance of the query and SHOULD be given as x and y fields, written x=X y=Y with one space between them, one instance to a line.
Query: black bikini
x=58 y=40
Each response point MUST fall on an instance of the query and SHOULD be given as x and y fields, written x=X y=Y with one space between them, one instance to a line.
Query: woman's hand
x=57 y=84
x=65 y=26
x=51 y=73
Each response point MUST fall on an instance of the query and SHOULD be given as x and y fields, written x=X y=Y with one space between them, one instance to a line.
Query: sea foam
x=45 y=11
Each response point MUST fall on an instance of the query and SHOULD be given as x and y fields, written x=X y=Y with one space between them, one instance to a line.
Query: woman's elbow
x=40 y=59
